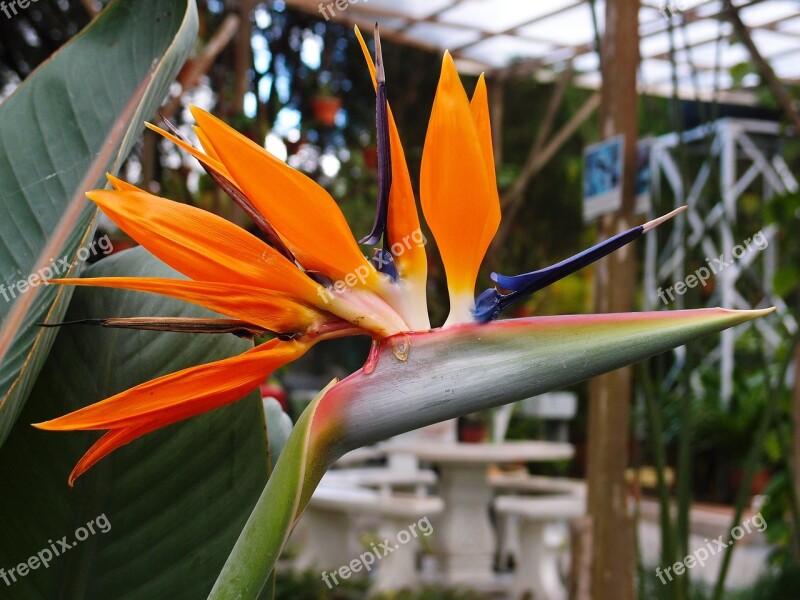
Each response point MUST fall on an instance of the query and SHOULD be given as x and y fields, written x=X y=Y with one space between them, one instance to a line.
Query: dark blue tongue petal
x=384 y=153
x=383 y=261
x=491 y=303
x=528 y=283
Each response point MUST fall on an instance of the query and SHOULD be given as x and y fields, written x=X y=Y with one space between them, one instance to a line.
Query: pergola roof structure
x=687 y=40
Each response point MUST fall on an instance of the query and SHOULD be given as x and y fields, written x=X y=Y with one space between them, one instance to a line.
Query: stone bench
x=331 y=543
x=537 y=484
x=387 y=481
x=537 y=569
x=522 y=482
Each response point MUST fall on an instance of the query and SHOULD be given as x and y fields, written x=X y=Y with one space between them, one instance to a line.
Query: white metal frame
x=745 y=153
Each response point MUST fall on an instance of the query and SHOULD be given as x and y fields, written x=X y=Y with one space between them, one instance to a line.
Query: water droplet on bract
x=401 y=346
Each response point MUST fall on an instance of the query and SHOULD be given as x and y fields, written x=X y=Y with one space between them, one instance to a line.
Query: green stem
x=253 y=558
x=684 y=478
x=656 y=427
x=752 y=460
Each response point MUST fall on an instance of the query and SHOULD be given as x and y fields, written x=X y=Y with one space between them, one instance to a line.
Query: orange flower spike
x=458 y=193
x=304 y=214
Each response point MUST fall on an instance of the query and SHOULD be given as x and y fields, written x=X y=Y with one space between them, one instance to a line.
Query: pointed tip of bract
x=753 y=313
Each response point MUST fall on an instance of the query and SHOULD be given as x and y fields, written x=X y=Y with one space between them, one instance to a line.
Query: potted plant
x=474 y=428
x=325 y=106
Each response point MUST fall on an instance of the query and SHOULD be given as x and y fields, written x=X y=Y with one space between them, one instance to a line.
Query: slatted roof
x=690 y=38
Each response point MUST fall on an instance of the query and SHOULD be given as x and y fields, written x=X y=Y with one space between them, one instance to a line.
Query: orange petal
x=202 y=245
x=302 y=212
x=458 y=193
x=274 y=311
x=183 y=394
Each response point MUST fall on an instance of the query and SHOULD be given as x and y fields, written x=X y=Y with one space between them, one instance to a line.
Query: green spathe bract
x=447 y=373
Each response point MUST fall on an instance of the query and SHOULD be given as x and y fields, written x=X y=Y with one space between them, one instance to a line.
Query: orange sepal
x=242 y=374
x=274 y=311
x=458 y=193
x=109 y=442
x=121 y=185
x=182 y=394
x=479 y=106
x=302 y=212
x=202 y=245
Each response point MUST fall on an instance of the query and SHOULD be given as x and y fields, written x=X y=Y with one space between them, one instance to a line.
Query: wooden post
x=242 y=56
x=610 y=395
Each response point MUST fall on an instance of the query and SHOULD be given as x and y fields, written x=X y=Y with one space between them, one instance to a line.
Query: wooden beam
x=242 y=56
x=194 y=70
x=764 y=69
x=537 y=158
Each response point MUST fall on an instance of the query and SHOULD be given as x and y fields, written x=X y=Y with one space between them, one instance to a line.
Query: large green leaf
x=176 y=499
x=75 y=117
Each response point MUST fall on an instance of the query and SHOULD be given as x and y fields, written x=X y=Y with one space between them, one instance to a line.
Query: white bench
x=537 y=484
x=537 y=569
x=386 y=481
x=331 y=544
x=523 y=482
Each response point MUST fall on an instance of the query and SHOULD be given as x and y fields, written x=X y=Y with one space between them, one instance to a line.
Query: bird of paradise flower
x=414 y=375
